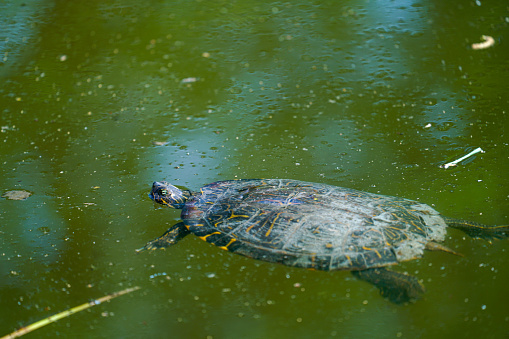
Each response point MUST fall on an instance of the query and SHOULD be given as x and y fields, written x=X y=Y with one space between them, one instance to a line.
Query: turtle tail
x=476 y=230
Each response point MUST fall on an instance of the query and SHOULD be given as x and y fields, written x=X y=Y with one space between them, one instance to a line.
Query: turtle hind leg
x=399 y=288
x=169 y=238
x=476 y=230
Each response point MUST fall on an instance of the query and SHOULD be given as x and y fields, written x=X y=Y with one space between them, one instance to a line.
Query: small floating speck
x=152 y=276
x=189 y=80
x=159 y=143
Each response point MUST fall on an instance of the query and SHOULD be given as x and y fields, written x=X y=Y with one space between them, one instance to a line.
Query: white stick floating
x=455 y=162
x=488 y=42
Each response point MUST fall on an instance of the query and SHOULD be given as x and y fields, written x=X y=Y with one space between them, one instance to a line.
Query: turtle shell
x=311 y=225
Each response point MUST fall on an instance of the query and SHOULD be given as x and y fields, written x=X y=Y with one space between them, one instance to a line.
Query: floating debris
x=189 y=80
x=64 y=314
x=159 y=143
x=488 y=42
x=152 y=276
x=16 y=195
x=455 y=162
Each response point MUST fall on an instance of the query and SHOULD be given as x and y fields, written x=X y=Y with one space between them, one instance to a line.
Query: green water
x=100 y=98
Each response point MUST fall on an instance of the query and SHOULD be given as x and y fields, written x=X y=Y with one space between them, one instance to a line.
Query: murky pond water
x=99 y=99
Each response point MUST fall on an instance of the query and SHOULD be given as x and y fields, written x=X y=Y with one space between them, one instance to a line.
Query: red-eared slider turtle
x=315 y=226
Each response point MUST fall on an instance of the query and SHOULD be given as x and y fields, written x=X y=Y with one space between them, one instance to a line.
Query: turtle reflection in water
x=315 y=226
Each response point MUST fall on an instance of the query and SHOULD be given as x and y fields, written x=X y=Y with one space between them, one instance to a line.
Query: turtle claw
x=147 y=247
x=159 y=243
x=169 y=238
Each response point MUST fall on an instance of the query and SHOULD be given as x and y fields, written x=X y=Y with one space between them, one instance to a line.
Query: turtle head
x=166 y=194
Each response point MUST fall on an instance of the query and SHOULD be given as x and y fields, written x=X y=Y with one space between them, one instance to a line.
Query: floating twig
x=66 y=313
x=455 y=162
x=488 y=42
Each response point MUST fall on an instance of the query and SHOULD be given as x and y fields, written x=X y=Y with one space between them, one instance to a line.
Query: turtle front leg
x=397 y=287
x=170 y=237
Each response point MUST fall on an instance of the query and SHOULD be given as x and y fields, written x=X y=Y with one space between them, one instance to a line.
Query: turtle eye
x=164 y=192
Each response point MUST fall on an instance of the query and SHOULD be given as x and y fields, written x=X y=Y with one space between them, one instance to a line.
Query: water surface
x=99 y=99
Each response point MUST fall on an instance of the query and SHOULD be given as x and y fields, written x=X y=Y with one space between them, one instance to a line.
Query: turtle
x=315 y=226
